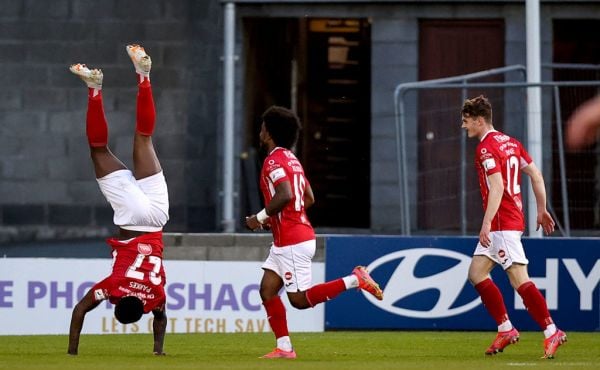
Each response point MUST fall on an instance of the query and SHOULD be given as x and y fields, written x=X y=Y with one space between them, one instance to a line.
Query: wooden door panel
x=450 y=48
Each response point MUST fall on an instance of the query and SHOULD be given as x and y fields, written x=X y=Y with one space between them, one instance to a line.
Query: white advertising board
x=37 y=296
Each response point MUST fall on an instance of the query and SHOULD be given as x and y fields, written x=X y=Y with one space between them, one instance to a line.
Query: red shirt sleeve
x=488 y=160
x=276 y=172
x=525 y=157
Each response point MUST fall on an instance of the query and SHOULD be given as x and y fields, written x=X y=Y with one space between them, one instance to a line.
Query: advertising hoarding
x=425 y=283
x=37 y=296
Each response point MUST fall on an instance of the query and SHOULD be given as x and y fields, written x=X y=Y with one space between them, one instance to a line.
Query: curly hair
x=283 y=126
x=478 y=107
x=129 y=309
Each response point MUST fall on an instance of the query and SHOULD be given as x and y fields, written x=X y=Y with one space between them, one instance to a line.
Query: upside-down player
x=287 y=193
x=500 y=160
x=141 y=208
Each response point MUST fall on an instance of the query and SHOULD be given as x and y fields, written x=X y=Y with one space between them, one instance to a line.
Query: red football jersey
x=498 y=152
x=137 y=270
x=291 y=225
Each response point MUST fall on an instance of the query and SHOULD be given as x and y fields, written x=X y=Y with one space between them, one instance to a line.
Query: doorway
x=321 y=69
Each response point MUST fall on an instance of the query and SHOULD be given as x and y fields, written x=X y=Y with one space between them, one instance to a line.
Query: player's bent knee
x=299 y=301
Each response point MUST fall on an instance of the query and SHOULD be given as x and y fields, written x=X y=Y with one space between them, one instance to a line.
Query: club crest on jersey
x=483 y=150
x=287 y=275
x=145 y=249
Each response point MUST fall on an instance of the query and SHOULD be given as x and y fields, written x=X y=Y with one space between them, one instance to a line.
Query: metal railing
x=464 y=84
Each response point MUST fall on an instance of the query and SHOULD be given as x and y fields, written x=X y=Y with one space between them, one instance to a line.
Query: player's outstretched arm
x=86 y=304
x=159 y=327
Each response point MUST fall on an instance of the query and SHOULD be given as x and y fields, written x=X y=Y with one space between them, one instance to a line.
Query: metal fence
x=437 y=182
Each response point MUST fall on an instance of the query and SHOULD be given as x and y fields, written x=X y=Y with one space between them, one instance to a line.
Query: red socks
x=96 y=127
x=276 y=316
x=492 y=300
x=532 y=298
x=146 y=115
x=324 y=292
x=535 y=303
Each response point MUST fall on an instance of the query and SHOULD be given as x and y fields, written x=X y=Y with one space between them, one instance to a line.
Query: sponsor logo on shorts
x=502 y=254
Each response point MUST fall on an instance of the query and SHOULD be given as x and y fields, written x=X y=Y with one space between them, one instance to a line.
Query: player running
x=287 y=193
x=141 y=208
x=500 y=160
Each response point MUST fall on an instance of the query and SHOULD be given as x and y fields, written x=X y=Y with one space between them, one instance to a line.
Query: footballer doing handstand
x=287 y=193
x=141 y=208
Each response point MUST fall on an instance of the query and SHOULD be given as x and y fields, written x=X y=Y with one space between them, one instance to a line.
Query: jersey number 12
x=512 y=175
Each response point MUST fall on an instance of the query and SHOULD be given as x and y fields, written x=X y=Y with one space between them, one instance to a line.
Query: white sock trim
x=550 y=330
x=142 y=76
x=284 y=344
x=505 y=326
x=351 y=281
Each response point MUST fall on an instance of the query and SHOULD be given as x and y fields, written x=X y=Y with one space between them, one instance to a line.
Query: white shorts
x=505 y=250
x=139 y=205
x=293 y=264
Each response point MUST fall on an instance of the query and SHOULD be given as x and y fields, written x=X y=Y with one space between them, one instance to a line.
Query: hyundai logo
x=403 y=283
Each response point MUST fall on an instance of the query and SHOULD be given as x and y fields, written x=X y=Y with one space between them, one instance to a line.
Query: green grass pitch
x=330 y=350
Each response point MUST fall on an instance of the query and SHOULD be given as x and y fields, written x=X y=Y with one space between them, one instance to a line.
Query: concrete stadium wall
x=178 y=246
x=225 y=247
x=47 y=186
